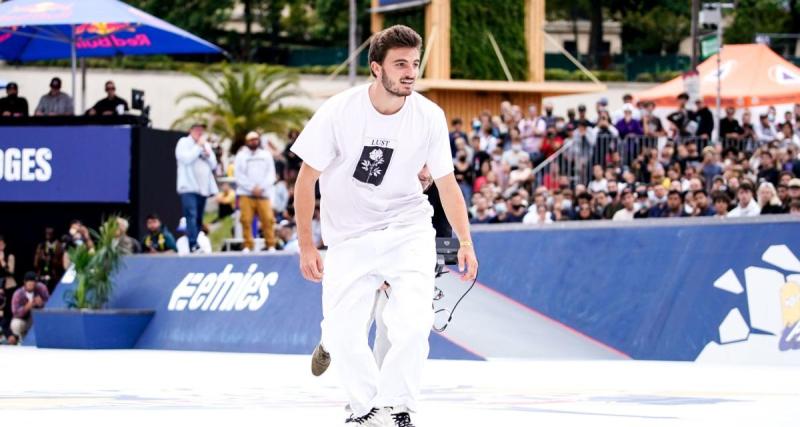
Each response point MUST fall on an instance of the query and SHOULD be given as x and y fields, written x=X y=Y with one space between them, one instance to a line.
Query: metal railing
x=574 y=162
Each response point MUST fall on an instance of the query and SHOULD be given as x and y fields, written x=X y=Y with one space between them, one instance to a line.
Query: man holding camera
x=196 y=182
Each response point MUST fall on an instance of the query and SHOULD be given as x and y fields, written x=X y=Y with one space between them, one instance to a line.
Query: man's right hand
x=257 y=191
x=311 y=263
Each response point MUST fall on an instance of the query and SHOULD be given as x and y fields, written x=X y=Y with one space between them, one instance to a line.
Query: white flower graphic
x=371 y=166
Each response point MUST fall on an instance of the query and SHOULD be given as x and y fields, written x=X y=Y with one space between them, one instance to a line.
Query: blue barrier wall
x=227 y=303
x=646 y=291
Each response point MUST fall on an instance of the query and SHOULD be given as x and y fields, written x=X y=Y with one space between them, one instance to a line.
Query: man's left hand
x=467 y=258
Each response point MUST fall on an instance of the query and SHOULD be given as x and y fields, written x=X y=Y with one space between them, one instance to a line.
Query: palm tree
x=245 y=99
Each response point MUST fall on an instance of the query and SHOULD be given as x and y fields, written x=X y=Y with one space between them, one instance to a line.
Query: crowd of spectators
x=647 y=166
x=678 y=169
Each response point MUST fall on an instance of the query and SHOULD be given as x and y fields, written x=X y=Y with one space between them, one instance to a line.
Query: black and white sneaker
x=374 y=418
x=402 y=419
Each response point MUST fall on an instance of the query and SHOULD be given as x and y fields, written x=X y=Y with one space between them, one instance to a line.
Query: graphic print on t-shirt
x=374 y=161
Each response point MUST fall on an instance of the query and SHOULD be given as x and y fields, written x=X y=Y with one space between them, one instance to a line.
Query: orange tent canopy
x=750 y=75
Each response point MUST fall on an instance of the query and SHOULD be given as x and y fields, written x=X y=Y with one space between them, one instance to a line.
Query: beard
x=395 y=88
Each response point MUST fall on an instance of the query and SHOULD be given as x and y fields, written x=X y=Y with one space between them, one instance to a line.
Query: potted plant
x=87 y=322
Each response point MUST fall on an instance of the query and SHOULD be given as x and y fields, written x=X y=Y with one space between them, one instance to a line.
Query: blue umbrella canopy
x=49 y=29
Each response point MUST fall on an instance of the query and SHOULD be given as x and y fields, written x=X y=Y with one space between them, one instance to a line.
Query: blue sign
x=226 y=303
x=676 y=291
x=65 y=164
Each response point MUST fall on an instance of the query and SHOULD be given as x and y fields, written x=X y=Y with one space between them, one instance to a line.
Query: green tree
x=202 y=18
x=757 y=16
x=655 y=31
x=246 y=99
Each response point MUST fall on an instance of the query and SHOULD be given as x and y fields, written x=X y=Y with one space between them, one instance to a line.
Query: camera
x=446 y=253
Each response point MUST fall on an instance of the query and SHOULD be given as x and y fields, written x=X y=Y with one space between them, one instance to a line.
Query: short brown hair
x=393 y=37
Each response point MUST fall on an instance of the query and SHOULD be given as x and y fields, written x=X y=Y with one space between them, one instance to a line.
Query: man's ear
x=375 y=68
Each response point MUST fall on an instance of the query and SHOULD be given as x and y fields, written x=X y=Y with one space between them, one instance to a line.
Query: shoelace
x=402 y=420
x=362 y=419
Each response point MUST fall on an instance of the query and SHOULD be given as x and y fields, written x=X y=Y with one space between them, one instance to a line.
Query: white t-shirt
x=623 y=215
x=369 y=161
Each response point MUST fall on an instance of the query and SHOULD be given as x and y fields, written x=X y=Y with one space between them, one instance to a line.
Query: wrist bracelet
x=465 y=244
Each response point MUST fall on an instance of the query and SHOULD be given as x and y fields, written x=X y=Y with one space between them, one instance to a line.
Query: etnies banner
x=65 y=164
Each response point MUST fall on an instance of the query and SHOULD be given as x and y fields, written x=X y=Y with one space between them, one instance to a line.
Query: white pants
x=19 y=327
x=405 y=257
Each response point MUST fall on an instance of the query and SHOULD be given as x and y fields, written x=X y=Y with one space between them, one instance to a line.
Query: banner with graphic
x=65 y=164
x=728 y=291
x=679 y=290
x=226 y=303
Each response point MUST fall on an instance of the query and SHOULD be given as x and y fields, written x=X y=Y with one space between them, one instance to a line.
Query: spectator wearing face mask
x=516 y=208
x=482 y=213
x=701 y=205
x=463 y=174
x=584 y=211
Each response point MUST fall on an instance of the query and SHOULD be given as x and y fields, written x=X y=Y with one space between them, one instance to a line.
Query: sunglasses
x=110 y=88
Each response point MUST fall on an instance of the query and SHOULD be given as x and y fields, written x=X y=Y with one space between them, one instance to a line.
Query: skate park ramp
x=492 y=325
x=650 y=290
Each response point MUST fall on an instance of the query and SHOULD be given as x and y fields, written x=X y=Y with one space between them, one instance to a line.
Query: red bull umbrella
x=50 y=29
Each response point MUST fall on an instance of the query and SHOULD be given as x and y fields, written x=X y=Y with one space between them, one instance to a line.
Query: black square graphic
x=373 y=164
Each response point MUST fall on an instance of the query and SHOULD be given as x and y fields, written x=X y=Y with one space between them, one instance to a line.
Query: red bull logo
x=103 y=28
x=110 y=36
x=44 y=10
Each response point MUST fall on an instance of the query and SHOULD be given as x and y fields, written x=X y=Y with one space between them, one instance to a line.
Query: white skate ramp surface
x=190 y=389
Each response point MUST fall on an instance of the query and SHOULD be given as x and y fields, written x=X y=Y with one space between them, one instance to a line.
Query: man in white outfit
x=254 y=169
x=366 y=146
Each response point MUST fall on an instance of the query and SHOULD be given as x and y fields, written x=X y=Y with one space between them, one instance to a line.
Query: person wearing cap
x=627 y=104
x=582 y=119
x=55 y=102
x=748 y=206
x=628 y=124
x=794 y=190
x=111 y=105
x=13 y=105
x=255 y=185
x=32 y=295
x=196 y=181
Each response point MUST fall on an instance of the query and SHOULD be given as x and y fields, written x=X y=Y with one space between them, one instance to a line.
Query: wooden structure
x=467 y=98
